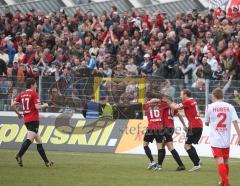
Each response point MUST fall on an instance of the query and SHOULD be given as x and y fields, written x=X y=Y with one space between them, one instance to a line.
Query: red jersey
x=168 y=115
x=154 y=113
x=191 y=111
x=28 y=99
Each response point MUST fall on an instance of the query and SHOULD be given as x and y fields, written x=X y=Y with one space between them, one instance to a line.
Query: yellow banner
x=132 y=136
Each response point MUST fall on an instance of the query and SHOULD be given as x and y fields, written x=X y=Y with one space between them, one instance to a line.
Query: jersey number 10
x=155 y=112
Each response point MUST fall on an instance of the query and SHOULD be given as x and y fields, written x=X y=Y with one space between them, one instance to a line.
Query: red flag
x=233 y=8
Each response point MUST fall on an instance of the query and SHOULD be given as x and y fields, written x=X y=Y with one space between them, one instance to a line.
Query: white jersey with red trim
x=220 y=116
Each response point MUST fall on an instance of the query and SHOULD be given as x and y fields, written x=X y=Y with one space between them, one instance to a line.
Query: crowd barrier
x=74 y=92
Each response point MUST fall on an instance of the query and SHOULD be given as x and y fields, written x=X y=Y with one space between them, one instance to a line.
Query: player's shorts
x=168 y=133
x=193 y=135
x=221 y=152
x=150 y=135
x=32 y=126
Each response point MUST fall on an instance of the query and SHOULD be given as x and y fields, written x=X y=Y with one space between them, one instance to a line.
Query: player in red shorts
x=154 y=113
x=194 y=132
x=30 y=104
x=168 y=122
x=219 y=117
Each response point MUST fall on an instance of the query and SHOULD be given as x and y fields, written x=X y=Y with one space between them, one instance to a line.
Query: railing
x=74 y=92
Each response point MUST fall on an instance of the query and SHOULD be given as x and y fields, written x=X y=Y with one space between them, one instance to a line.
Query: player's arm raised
x=37 y=103
x=175 y=106
x=39 y=106
x=154 y=100
x=171 y=104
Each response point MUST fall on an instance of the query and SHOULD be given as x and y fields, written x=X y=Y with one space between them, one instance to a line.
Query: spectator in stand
x=19 y=55
x=3 y=68
x=156 y=70
x=29 y=56
x=59 y=60
x=92 y=62
x=10 y=50
x=171 y=42
x=212 y=61
x=77 y=65
x=146 y=65
x=206 y=69
x=94 y=50
x=167 y=89
x=219 y=74
x=131 y=68
x=120 y=71
x=188 y=71
x=107 y=70
x=236 y=100
x=4 y=56
x=47 y=27
x=170 y=60
x=179 y=66
x=229 y=63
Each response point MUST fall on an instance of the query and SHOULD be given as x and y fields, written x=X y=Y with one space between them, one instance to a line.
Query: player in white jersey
x=219 y=117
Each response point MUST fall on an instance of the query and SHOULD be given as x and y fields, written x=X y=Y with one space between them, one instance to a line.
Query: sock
x=161 y=156
x=148 y=153
x=24 y=147
x=193 y=156
x=227 y=168
x=42 y=152
x=176 y=157
x=223 y=174
x=195 y=152
x=164 y=154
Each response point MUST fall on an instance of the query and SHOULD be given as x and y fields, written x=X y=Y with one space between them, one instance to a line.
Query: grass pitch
x=100 y=169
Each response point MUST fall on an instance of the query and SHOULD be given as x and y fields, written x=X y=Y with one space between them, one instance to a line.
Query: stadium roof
x=2 y=3
x=45 y=5
x=172 y=7
x=99 y=7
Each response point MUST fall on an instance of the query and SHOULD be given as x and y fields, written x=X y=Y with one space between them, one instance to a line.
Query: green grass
x=90 y=169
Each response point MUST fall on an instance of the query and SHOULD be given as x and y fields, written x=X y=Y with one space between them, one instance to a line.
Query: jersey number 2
x=223 y=118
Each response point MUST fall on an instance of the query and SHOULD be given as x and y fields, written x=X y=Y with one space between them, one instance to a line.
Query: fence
x=70 y=92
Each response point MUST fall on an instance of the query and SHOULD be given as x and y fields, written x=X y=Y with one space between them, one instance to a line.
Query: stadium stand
x=147 y=49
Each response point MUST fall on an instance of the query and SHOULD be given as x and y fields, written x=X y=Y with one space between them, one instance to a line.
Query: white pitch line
x=167 y=156
x=233 y=160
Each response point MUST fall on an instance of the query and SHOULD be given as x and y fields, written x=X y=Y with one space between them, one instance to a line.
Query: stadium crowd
x=191 y=47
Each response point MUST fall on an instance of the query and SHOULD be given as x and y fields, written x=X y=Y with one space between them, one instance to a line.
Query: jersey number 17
x=25 y=104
